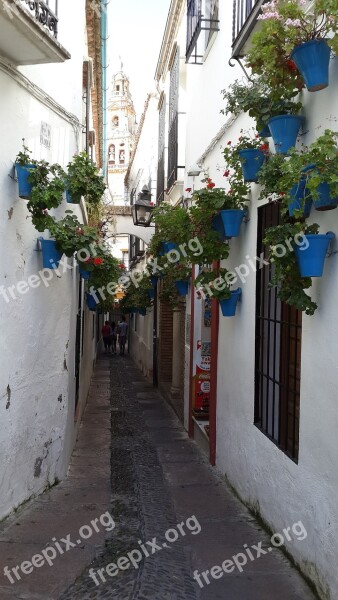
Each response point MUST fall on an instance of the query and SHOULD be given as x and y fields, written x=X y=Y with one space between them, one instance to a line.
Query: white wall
x=282 y=491
x=38 y=329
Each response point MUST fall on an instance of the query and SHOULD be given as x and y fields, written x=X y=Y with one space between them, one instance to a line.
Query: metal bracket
x=241 y=65
x=247 y=217
x=38 y=244
x=12 y=173
x=332 y=237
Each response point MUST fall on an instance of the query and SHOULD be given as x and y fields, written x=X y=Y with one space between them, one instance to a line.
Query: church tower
x=121 y=135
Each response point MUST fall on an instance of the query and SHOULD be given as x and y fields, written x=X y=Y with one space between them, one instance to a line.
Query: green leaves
x=83 y=179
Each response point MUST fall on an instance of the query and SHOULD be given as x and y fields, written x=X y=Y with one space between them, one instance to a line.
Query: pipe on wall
x=104 y=66
x=213 y=371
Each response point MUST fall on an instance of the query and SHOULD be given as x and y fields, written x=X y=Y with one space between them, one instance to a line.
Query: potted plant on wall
x=306 y=37
x=297 y=252
x=172 y=228
x=24 y=165
x=83 y=179
x=47 y=189
x=218 y=285
x=248 y=154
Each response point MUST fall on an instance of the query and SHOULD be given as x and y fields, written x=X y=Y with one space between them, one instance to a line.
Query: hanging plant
x=47 y=192
x=247 y=154
x=71 y=235
x=83 y=179
x=172 y=225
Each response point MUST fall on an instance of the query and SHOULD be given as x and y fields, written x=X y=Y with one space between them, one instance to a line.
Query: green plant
x=260 y=101
x=285 y=25
x=48 y=187
x=172 y=225
x=233 y=160
x=213 y=284
x=83 y=179
x=285 y=274
x=314 y=165
x=71 y=236
x=23 y=158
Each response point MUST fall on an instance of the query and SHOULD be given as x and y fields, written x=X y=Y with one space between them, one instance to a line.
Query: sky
x=136 y=30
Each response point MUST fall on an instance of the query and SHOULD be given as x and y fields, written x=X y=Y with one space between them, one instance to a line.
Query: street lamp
x=142 y=209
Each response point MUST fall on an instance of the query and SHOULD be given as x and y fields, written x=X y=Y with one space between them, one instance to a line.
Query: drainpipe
x=192 y=346
x=213 y=371
x=104 y=66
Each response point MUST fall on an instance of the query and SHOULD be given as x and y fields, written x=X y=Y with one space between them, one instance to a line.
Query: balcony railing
x=44 y=14
x=202 y=15
x=245 y=13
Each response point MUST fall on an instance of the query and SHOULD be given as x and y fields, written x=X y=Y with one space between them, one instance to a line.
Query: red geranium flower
x=291 y=65
x=264 y=147
x=211 y=185
x=282 y=193
x=229 y=143
x=97 y=261
x=121 y=265
x=226 y=173
x=88 y=260
x=188 y=189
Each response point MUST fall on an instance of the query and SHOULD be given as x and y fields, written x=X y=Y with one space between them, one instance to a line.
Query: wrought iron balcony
x=44 y=14
x=28 y=32
x=202 y=15
x=245 y=13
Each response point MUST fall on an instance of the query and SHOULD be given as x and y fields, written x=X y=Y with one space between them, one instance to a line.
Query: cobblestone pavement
x=160 y=479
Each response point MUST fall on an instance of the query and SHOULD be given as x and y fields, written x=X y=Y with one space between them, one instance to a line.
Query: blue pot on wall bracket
x=91 y=302
x=252 y=160
x=313 y=59
x=325 y=201
x=228 y=306
x=142 y=311
x=232 y=219
x=51 y=256
x=151 y=293
x=167 y=246
x=311 y=257
x=154 y=279
x=265 y=132
x=22 y=173
x=182 y=287
x=284 y=130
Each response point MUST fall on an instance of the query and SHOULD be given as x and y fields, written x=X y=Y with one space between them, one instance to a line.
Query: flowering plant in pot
x=277 y=186
x=105 y=270
x=317 y=167
x=306 y=37
x=180 y=273
x=260 y=101
x=23 y=166
x=71 y=236
x=289 y=246
x=248 y=154
x=83 y=179
x=172 y=225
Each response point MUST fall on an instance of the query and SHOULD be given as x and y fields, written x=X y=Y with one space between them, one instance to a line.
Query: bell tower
x=121 y=136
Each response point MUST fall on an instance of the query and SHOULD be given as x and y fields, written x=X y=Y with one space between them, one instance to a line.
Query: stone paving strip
x=158 y=480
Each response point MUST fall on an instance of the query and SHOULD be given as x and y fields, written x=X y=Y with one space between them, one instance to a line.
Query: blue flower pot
x=217 y=225
x=252 y=160
x=311 y=259
x=154 y=279
x=151 y=294
x=91 y=302
x=142 y=311
x=84 y=274
x=312 y=60
x=284 y=130
x=51 y=256
x=325 y=200
x=265 y=132
x=301 y=200
x=182 y=287
x=71 y=200
x=22 y=173
x=167 y=246
x=232 y=220
x=228 y=307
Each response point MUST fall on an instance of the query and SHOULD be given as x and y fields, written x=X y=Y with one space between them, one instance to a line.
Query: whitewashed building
x=47 y=61
x=271 y=432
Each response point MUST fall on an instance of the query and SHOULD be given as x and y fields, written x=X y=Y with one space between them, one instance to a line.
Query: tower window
x=117 y=88
x=111 y=154
x=116 y=121
x=122 y=157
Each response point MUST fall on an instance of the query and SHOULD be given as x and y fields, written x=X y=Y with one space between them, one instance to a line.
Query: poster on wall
x=201 y=380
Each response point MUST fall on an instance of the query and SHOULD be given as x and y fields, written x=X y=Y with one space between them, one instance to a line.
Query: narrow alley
x=157 y=479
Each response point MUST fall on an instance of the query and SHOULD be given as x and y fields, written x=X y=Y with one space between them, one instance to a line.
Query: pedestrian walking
x=122 y=331
x=107 y=335
x=113 y=337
